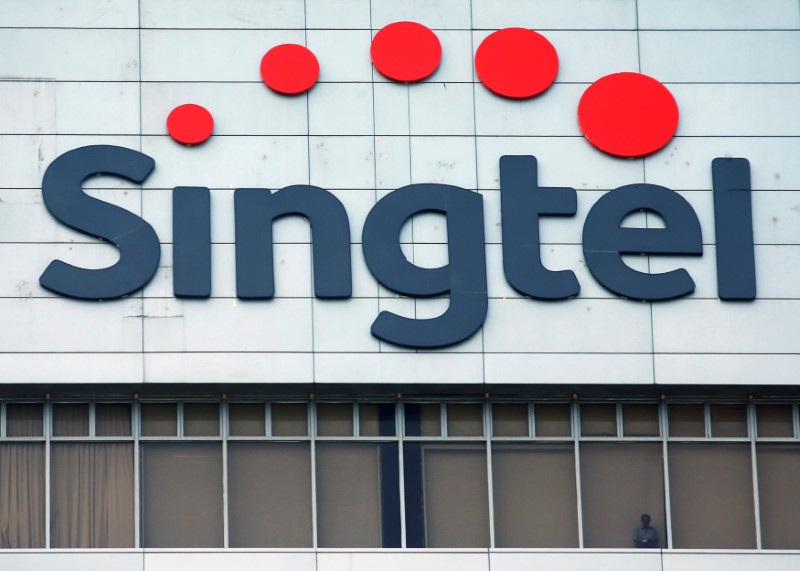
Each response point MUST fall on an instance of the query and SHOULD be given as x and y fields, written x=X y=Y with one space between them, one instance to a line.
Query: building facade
x=421 y=309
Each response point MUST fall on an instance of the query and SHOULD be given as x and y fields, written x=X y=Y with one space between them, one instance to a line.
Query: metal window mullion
x=268 y=419
x=487 y=422
x=92 y=431
x=312 y=431
x=180 y=418
x=400 y=427
x=356 y=421
x=663 y=420
x=3 y=421
x=707 y=419
x=796 y=418
x=443 y=418
x=137 y=511
x=223 y=419
x=531 y=420
x=47 y=423
x=575 y=417
x=618 y=412
x=751 y=421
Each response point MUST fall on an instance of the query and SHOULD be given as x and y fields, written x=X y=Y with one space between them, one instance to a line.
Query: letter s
x=137 y=241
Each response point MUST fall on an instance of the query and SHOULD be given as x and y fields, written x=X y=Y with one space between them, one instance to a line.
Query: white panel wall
x=109 y=73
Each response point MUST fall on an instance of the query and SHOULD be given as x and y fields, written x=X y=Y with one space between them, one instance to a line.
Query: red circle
x=190 y=124
x=406 y=51
x=289 y=69
x=516 y=63
x=628 y=114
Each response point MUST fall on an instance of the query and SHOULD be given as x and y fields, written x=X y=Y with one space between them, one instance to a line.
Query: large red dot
x=289 y=69
x=628 y=114
x=190 y=124
x=516 y=63
x=406 y=51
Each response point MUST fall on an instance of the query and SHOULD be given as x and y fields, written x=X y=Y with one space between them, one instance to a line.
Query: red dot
x=628 y=114
x=516 y=63
x=289 y=69
x=406 y=51
x=190 y=124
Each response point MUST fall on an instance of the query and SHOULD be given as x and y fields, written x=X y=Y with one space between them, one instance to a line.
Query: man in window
x=645 y=536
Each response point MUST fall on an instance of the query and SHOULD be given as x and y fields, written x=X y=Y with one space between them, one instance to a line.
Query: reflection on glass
x=423 y=419
x=201 y=419
x=598 y=419
x=159 y=419
x=774 y=420
x=289 y=419
x=246 y=419
x=640 y=420
x=687 y=420
x=335 y=419
x=376 y=419
x=728 y=420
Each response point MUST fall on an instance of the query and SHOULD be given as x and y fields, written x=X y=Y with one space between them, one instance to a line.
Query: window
x=398 y=473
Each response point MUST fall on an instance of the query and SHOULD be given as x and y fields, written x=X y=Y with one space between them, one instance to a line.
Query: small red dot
x=628 y=114
x=190 y=124
x=406 y=51
x=289 y=69
x=516 y=63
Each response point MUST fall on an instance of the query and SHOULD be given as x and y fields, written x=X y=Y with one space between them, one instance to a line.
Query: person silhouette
x=645 y=536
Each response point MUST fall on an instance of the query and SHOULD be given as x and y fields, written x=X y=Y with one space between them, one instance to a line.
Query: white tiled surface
x=109 y=73
x=396 y=560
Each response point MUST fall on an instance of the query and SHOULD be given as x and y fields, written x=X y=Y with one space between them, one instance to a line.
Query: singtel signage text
x=463 y=279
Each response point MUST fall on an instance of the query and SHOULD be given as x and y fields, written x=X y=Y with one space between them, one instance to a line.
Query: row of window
x=248 y=475
x=366 y=420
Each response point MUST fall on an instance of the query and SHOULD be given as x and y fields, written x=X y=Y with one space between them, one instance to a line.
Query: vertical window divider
x=47 y=414
x=576 y=423
x=92 y=431
x=312 y=434
x=531 y=420
x=223 y=421
x=751 y=430
x=443 y=418
x=618 y=411
x=707 y=419
x=137 y=500
x=179 y=405
x=664 y=427
x=796 y=419
x=356 y=420
x=3 y=417
x=400 y=427
x=487 y=425
x=268 y=419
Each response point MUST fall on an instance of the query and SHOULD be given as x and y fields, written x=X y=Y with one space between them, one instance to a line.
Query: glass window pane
x=446 y=495
x=246 y=419
x=619 y=483
x=535 y=502
x=24 y=419
x=423 y=419
x=376 y=419
x=22 y=496
x=91 y=495
x=335 y=419
x=686 y=420
x=779 y=495
x=728 y=420
x=358 y=494
x=711 y=496
x=552 y=420
x=265 y=479
x=159 y=419
x=598 y=420
x=640 y=420
x=289 y=419
x=774 y=420
x=201 y=419
x=464 y=419
x=71 y=419
x=181 y=494
x=112 y=419
x=509 y=419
